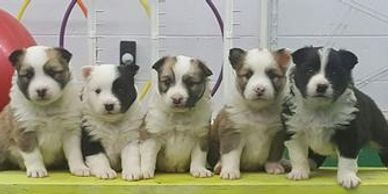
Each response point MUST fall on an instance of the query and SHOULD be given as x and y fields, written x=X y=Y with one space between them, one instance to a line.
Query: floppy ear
x=236 y=57
x=159 y=63
x=133 y=68
x=15 y=57
x=204 y=68
x=65 y=54
x=299 y=55
x=349 y=58
x=86 y=71
x=283 y=58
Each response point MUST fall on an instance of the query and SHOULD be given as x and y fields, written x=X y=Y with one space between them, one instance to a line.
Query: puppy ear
x=204 y=68
x=87 y=71
x=283 y=58
x=133 y=69
x=159 y=63
x=15 y=57
x=349 y=58
x=299 y=55
x=65 y=54
x=236 y=57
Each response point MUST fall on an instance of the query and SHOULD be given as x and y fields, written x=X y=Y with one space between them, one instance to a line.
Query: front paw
x=348 y=180
x=230 y=174
x=200 y=172
x=274 y=168
x=148 y=173
x=37 y=172
x=104 y=173
x=80 y=170
x=131 y=174
x=299 y=174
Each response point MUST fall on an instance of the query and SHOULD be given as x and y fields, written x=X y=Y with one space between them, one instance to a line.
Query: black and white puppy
x=111 y=121
x=327 y=115
x=40 y=126
x=249 y=129
x=177 y=123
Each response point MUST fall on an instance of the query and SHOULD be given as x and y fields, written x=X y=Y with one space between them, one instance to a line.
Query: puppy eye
x=166 y=81
x=310 y=71
x=247 y=74
x=97 y=91
x=28 y=75
x=192 y=83
x=58 y=72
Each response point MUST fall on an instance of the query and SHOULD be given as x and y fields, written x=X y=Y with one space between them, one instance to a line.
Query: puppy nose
x=41 y=92
x=109 y=107
x=321 y=88
x=176 y=99
x=259 y=91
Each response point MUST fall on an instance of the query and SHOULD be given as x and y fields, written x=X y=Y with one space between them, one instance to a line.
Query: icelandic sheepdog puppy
x=177 y=123
x=247 y=133
x=111 y=120
x=326 y=114
x=40 y=126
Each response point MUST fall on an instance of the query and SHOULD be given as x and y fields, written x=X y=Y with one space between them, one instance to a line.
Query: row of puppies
x=322 y=113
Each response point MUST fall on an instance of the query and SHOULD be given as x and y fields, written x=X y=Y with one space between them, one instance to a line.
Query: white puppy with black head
x=177 y=123
x=247 y=133
x=111 y=121
x=40 y=126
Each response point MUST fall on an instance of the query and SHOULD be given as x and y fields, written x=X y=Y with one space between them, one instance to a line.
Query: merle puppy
x=327 y=115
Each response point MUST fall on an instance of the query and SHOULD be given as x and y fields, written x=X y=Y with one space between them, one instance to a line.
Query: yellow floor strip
x=375 y=181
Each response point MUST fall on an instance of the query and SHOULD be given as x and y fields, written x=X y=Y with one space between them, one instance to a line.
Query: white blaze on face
x=98 y=92
x=258 y=61
x=319 y=79
x=179 y=90
x=36 y=57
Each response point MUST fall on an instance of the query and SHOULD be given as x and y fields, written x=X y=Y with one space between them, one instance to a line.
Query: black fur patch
x=88 y=145
x=369 y=123
x=123 y=88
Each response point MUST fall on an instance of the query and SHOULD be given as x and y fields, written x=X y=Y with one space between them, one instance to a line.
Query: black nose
x=41 y=92
x=109 y=107
x=177 y=100
x=321 y=88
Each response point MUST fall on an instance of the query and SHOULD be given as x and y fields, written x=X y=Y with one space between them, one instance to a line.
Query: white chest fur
x=178 y=133
x=50 y=123
x=257 y=129
x=114 y=136
x=317 y=125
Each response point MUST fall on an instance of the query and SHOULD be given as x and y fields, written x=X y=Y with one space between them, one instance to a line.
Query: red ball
x=13 y=36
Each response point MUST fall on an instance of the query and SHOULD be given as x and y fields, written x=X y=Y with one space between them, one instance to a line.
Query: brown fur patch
x=166 y=76
x=224 y=137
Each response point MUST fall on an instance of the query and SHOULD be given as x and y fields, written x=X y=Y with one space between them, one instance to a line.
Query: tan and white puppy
x=177 y=124
x=40 y=126
x=247 y=132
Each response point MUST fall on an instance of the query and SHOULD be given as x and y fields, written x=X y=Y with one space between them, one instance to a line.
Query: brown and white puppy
x=40 y=126
x=247 y=132
x=177 y=123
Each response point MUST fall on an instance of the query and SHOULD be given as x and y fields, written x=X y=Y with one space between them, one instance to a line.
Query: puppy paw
x=217 y=168
x=37 y=172
x=348 y=180
x=131 y=174
x=80 y=170
x=147 y=173
x=298 y=175
x=230 y=174
x=274 y=168
x=200 y=172
x=106 y=173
